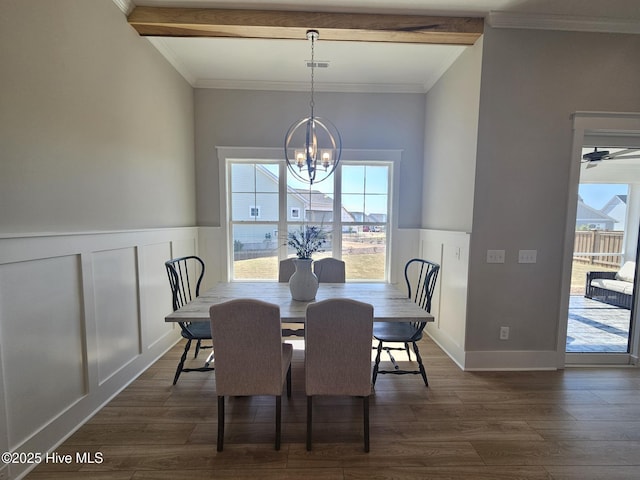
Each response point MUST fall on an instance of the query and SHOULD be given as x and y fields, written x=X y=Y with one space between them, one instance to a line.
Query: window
x=352 y=207
x=365 y=219
x=254 y=211
x=254 y=202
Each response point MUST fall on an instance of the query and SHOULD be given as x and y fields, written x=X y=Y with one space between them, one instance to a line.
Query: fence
x=597 y=247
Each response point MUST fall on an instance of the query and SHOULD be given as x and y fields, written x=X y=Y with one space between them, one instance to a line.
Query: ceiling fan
x=593 y=158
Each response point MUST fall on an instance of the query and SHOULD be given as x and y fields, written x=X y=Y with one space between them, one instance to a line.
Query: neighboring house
x=377 y=217
x=588 y=218
x=302 y=205
x=617 y=209
x=369 y=217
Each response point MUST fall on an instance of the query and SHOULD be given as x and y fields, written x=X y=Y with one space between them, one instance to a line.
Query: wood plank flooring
x=567 y=425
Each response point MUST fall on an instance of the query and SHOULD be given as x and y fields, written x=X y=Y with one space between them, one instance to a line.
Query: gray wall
x=532 y=81
x=450 y=144
x=260 y=119
x=96 y=128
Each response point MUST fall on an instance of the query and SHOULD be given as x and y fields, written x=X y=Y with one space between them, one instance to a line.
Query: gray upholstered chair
x=250 y=356
x=329 y=270
x=338 y=354
x=286 y=269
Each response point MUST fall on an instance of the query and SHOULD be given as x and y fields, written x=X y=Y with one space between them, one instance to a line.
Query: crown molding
x=304 y=86
x=161 y=45
x=126 y=6
x=563 y=22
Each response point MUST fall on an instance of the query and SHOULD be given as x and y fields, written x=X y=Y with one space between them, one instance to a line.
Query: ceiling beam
x=201 y=22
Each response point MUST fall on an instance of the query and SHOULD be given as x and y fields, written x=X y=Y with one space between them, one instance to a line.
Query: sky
x=596 y=195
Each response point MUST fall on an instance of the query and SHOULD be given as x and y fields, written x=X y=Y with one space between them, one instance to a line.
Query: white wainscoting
x=449 y=304
x=81 y=316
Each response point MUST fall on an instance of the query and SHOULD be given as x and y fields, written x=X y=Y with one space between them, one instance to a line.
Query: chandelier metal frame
x=312 y=145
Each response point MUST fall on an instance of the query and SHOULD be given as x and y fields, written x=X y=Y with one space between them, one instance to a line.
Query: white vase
x=303 y=283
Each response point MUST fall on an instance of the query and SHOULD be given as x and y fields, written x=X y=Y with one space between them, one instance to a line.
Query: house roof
x=614 y=202
x=588 y=214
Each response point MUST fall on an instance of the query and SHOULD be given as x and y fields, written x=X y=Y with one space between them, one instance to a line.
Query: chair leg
x=309 y=421
x=210 y=359
x=289 y=382
x=197 y=349
x=406 y=347
x=365 y=402
x=220 y=443
x=182 y=360
x=278 y=420
x=423 y=372
x=377 y=364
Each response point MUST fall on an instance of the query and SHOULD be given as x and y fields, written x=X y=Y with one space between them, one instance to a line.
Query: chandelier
x=312 y=145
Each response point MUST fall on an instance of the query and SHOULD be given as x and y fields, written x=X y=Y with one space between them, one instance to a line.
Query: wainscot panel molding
x=449 y=305
x=81 y=316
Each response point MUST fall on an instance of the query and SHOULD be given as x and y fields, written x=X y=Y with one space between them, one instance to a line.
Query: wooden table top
x=390 y=304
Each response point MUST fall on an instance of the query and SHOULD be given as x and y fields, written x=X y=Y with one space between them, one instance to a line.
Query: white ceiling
x=353 y=66
x=624 y=169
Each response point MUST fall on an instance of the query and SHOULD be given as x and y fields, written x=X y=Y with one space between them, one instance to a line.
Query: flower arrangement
x=307 y=240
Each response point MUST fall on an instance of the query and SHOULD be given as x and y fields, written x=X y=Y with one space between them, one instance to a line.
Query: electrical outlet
x=504 y=333
x=495 y=256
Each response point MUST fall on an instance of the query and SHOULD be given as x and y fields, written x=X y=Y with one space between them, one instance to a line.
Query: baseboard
x=510 y=360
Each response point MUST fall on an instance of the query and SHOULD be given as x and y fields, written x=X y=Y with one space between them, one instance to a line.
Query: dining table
x=390 y=303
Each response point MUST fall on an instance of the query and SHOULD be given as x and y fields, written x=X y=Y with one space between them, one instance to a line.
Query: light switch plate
x=495 y=256
x=527 y=256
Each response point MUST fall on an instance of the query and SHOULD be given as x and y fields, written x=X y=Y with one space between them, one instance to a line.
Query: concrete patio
x=596 y=327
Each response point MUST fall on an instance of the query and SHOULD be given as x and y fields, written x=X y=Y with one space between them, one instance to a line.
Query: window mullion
x=282 y=211
x=337 y=213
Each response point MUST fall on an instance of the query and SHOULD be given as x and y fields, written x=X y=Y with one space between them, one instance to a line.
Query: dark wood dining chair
x=421 y=276
x=250 y=356
x=185 y=277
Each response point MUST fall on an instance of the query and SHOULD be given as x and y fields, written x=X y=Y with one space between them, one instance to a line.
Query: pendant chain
x=312 y=103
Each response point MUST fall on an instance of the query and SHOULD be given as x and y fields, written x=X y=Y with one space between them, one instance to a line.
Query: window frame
x=229 y=155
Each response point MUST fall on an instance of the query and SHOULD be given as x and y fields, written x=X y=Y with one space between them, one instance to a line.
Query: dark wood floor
x=577 y=424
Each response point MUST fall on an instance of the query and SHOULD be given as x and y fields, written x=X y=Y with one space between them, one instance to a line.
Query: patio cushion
x=627 y=272
x=613 y=285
